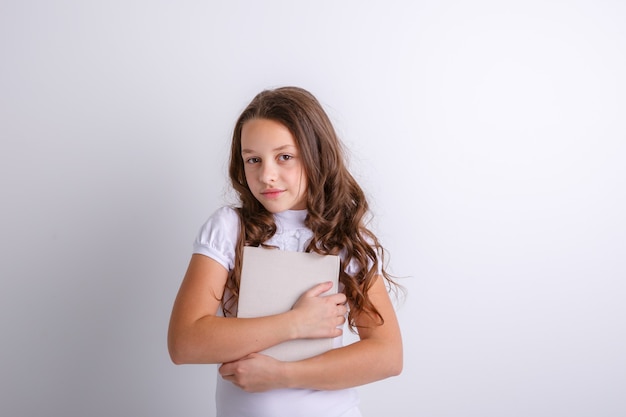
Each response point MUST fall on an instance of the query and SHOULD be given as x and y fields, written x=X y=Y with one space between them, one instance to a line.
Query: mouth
x=272 y=193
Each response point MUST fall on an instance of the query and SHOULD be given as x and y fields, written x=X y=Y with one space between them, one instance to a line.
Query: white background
x=489 y=135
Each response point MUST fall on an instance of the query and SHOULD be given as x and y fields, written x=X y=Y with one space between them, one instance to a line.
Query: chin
x=273 y=208
x=278 y=207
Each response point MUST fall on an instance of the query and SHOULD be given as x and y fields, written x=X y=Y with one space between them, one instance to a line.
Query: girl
x=296 y=194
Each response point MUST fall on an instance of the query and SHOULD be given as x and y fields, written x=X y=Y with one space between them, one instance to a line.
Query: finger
x=339 y=298
x=320 y=289
x=225 y=370
x=342 y=310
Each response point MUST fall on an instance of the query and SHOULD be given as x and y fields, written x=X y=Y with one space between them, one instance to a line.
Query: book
x=271 y=282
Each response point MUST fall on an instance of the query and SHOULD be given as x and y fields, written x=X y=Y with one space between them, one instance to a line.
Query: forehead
x=265 y=134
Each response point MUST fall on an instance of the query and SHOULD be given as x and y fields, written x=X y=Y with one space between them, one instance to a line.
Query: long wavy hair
x=336 y=204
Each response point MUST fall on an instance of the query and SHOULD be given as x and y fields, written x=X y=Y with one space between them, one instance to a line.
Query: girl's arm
x=377 y=355
x=197 y=335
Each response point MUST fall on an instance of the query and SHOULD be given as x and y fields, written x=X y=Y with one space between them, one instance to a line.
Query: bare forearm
x=214 y=339
x=207 y=338
x=377 y=355
x=353 y=365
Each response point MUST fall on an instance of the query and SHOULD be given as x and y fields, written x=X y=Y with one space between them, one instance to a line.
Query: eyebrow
x=278 y=149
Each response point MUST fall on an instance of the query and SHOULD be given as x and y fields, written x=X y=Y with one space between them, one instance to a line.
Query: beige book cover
x=272 y=280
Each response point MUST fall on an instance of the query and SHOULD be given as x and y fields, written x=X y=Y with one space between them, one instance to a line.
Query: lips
x=272 y=193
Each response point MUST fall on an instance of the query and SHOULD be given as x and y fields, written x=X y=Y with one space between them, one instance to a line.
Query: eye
x=285 y=157
x=253 y=160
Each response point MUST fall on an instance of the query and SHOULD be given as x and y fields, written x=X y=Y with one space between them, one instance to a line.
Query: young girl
x=296 y=194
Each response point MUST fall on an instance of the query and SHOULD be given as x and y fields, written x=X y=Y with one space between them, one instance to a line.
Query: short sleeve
x=218 y=236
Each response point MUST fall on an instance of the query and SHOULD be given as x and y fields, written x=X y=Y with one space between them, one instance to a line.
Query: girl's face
x=272 y=165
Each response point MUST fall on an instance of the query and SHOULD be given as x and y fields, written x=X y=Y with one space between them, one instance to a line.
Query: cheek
x=247 y=173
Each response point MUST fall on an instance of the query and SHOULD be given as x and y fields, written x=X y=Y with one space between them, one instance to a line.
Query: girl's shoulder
x=218 y=236
x=223 y=220
x=226 y=215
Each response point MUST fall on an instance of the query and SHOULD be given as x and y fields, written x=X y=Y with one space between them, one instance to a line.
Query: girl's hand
x=254 y=373
x=317 y=315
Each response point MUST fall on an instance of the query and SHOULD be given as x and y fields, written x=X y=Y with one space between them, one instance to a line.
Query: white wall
x=490 y=136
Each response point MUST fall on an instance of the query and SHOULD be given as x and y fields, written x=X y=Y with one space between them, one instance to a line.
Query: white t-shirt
x=217 y=239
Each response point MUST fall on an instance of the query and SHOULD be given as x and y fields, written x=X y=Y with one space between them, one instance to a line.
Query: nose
x=268 y=173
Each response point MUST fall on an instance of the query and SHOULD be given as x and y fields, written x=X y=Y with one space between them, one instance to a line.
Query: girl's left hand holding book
x=255 y=373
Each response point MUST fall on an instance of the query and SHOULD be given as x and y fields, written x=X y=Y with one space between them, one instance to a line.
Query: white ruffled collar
x=290 y=219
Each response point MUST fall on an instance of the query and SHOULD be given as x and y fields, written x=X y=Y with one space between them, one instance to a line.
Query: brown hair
x=337 y=207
